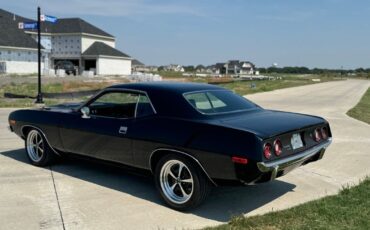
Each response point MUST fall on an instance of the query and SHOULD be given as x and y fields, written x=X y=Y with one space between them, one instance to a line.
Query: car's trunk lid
x=269 y=123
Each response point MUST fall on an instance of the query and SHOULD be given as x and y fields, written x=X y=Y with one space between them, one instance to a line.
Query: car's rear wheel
x=180 y=182
x=38 y=150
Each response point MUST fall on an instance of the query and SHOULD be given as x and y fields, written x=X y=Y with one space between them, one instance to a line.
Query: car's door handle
x=122 y=130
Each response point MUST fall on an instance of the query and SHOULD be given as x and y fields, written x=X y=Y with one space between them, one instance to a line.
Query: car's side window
x=144 y=108
x=115 y=104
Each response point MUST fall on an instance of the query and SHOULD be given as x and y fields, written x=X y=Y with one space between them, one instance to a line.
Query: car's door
x=105 y=132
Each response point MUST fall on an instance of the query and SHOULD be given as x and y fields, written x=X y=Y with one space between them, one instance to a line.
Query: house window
x=9 y=52
x=29 y=53
x=19 y=54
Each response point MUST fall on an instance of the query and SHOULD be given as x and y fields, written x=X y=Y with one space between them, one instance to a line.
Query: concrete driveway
x=81 y=195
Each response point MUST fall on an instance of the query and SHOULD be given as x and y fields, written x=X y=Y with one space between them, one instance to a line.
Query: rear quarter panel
x=210 y=144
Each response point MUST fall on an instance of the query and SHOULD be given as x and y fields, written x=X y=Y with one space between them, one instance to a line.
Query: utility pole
x=39 y=93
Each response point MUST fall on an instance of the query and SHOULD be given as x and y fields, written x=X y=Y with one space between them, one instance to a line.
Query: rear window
x=220 y=101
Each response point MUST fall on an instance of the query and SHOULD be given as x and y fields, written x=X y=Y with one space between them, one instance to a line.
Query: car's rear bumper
x=273 y=169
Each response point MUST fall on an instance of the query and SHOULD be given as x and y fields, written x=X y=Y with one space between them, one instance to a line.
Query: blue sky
x=313 y=33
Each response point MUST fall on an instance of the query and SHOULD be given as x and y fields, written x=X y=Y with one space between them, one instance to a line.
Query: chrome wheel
x=176 y=181
x=35 y=146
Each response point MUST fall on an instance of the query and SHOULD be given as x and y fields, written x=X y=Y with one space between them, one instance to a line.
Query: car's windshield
x=218 y=101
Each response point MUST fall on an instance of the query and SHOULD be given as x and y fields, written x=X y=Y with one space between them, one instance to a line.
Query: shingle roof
x=219 y=65
x=63 y=25
x=73 y=25
x=233 y=63
x=136 y=62
x=10 y=35
x=100 y=48
x=246 y=62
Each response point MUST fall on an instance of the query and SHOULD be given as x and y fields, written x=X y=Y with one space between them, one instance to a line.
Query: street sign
x=27 y=25
x=48 y=18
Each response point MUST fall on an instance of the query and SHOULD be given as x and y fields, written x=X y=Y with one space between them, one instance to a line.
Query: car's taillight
x=278 y=147
x=317 y=135
x=267 y=150
x=324 y=133
x=239 y=160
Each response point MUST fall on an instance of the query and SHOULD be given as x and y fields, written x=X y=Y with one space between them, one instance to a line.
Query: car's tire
x=181 y=191
x=38 y=150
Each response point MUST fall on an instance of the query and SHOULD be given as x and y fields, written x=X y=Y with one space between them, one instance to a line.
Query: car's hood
x=66 y=107
x=268 y=123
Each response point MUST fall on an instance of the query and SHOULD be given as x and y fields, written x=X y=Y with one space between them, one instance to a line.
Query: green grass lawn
x=30 y=89
x=240 y=87
x=286 y=81
x=362 y=110
x=350 y=209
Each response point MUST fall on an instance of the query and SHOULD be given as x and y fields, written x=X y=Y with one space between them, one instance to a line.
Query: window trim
x=122 y=90
x=137 y=105
x=216 y=113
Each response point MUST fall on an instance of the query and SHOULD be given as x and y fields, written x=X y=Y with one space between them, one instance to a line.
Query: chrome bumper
x=297 y=159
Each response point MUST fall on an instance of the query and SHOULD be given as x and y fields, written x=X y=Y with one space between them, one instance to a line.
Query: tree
x=200 y=67
x=189 y=68
x=360 y=70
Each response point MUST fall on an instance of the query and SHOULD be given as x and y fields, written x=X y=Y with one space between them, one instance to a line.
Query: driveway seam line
x=57 y=197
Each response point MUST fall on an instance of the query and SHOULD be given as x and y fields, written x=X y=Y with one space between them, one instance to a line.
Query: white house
x=107 y=60
x=233 y=67
x=174 y=67
x=67 y=39
x=18 y=51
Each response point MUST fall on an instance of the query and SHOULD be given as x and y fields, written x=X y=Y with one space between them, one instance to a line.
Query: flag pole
x=39 y=93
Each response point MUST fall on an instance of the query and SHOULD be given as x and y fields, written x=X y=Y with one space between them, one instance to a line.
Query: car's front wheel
x=180 y=182
x=38 y=150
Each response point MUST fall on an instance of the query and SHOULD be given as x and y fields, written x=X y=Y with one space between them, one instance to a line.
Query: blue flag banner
x=27 y=25
x=48 y=18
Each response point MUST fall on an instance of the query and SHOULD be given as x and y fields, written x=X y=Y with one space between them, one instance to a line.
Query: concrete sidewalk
x=81 y=195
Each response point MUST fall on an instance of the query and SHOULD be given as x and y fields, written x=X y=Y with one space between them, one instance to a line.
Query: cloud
x=111 y=8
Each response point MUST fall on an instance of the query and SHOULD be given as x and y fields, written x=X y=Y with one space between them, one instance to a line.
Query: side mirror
x=85 y=112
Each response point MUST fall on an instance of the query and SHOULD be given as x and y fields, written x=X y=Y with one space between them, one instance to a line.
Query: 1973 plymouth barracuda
x=190 y=136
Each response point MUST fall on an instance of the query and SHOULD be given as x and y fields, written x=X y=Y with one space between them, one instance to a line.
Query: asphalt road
x=80 y=195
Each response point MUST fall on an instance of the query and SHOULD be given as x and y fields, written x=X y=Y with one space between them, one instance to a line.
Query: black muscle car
x=189 y=136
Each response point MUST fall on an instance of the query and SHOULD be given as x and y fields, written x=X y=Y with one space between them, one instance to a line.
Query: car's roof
x=167 y=97
x=177 y=87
